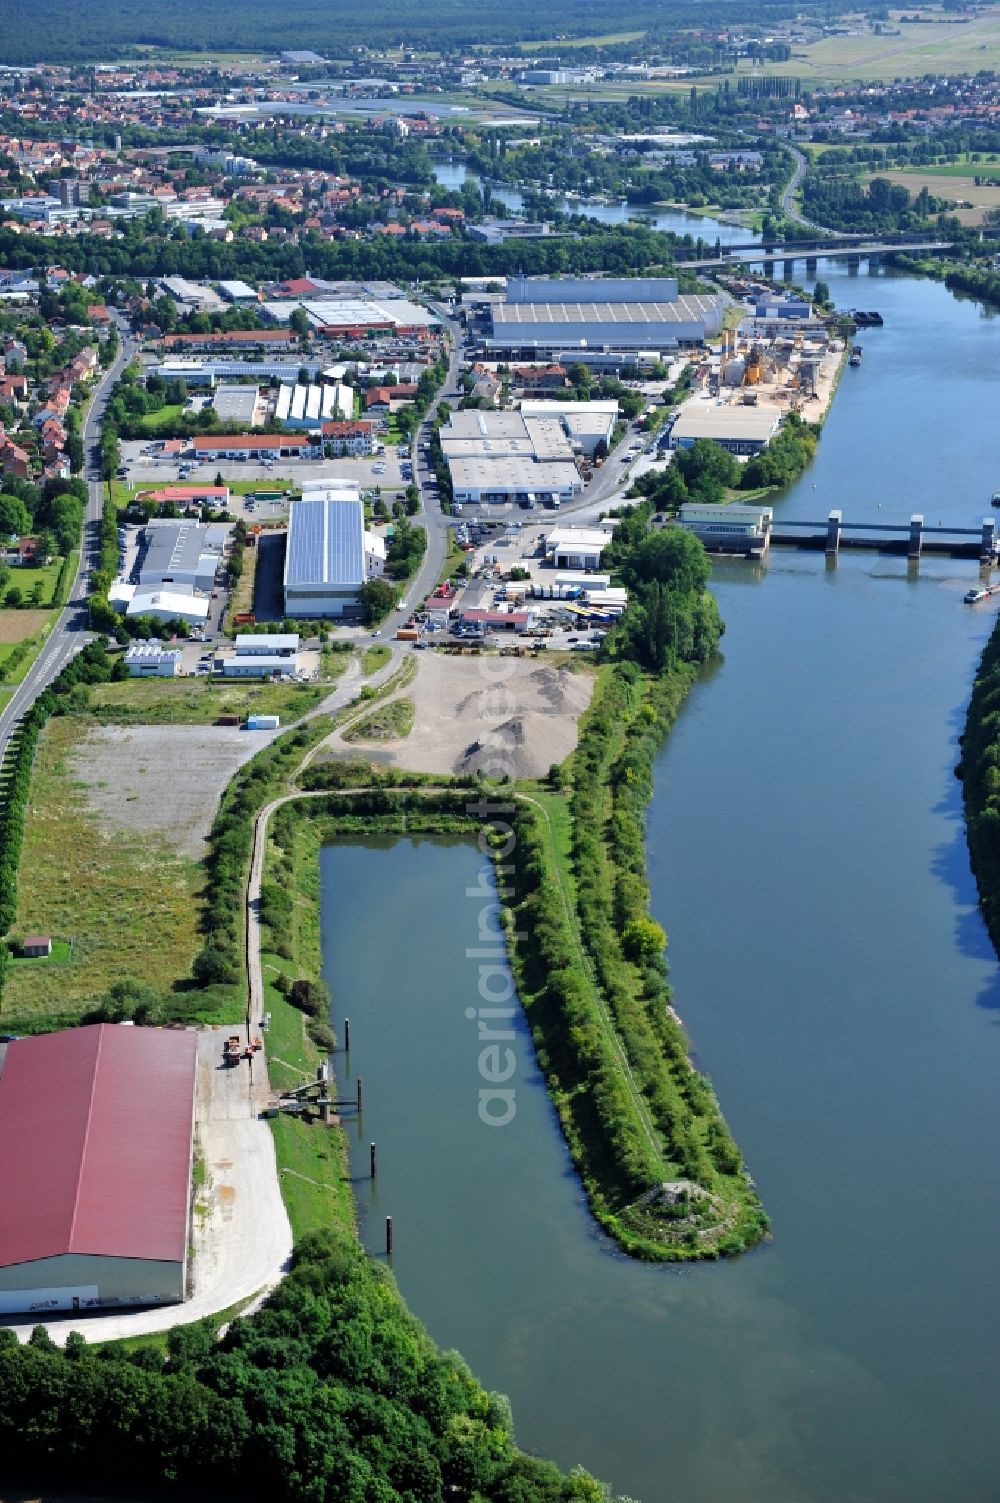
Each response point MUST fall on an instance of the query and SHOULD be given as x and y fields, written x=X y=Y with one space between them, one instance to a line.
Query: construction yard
x=509 y=715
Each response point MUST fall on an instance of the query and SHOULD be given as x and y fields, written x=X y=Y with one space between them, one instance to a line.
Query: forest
x=60 y=31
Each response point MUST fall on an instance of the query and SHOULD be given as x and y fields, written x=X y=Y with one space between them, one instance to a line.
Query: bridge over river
x=791 y=251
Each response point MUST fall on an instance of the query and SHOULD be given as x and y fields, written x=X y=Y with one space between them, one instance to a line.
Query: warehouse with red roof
x=96 y=1130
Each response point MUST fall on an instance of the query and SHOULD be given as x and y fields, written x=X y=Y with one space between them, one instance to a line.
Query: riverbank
x=978 y=770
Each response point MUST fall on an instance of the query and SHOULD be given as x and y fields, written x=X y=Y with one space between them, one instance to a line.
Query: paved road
x=788 y=207
x=69 y=633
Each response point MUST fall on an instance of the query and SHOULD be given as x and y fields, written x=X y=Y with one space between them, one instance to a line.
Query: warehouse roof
x=730 y=422
x=326 y=540
x=682 y=310
x=95 y=1143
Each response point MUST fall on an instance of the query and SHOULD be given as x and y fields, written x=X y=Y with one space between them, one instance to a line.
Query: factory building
x=300 y=406
x=163 y=605
x=152 y=660
x=263 y=655
x=740 y=429
x=181 y=555
x=96 y=1131
x=505 y=456
x=586 y=424
x=548 y=316
x=576 y=547
x=329 y=555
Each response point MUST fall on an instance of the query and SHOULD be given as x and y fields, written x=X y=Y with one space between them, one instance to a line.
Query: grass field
x=154 y=422
x=945 y=46
x=565 y=44
x=129 y=905
x=194 y=701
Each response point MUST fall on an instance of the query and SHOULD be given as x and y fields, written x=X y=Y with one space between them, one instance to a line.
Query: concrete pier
x=916 y=535
x=833 y=527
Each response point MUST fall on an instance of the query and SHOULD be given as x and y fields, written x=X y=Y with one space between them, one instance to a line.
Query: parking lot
x=382 y=471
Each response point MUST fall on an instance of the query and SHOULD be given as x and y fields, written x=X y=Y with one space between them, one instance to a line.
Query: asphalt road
x=69 y=633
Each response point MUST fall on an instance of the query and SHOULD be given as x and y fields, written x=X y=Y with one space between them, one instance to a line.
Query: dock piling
x=388 y=1236
x=347 y=1035
x=373 y=1155
x=359 y=1093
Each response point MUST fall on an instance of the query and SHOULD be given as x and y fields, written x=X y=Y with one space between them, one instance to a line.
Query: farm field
x=126 y=900
x=960 y=189
x=17 y=625
x=944 y=46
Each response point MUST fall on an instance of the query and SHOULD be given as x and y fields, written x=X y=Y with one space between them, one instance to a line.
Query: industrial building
x=356 y=317
x=183 y=556
x=741 y=429
x=96 y=1129
x=300 y=406
x=256 y=446
x=729 y=529
x=163 y=605
x=548 y=317
x=576 y=547
x=505 y=456
x=329 y=555
x=152 y=660
x=586 y=424
x=263 y=655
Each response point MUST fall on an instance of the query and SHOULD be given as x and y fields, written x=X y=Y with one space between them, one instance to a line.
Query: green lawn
x=195 y=701
x=62 y=950
x=37 y=586
x=153 y=423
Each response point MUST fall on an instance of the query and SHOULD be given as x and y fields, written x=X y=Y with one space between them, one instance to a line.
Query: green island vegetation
x=979 y=770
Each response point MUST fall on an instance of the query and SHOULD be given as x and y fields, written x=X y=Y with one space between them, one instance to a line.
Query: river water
x=808 y=860
x=452 y=174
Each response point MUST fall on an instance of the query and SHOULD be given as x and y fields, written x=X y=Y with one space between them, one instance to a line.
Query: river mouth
x=808 y=861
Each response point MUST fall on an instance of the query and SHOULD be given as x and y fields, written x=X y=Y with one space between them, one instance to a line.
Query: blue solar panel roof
x=325 y=543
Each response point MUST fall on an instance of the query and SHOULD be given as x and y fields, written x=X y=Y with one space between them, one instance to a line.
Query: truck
x=407 y=634
x=263 y=722
x=232 y=1049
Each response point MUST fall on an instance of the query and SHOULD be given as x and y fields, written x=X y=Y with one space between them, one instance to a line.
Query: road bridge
x=791 y=251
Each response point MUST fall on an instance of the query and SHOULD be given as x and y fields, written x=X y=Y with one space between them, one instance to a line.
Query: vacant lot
x=957 y=188
x=194 y=701
x=935 y=46
x=161 y=781
x=511 y=715
x=125 y=896
x=16 y=625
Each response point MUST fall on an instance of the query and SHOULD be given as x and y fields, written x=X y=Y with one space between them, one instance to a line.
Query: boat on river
x=995 y=499
x=980 y=592
x=855 y=356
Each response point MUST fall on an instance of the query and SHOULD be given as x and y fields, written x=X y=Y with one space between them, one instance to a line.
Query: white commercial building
x=300 y=406
x=169 y=605
x=544 y=316
x=575 y=547
x=524 y=481
x=329 y=556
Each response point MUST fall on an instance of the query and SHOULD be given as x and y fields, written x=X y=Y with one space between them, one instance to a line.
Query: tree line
x=332 y=1393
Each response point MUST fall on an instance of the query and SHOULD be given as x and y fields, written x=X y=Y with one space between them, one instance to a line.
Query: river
x=452 y=174
x=808 y=860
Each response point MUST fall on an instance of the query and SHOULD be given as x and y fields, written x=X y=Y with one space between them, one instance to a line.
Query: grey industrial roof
x=179 y=546
x=325 y=542
x=681 y=310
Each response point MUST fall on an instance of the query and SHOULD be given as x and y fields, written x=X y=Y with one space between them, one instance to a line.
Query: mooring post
x=388 y=1236
x=347 y=1034
x=359 y=1093
x=834 y=523
x=916 y=535
x=373 y=1154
